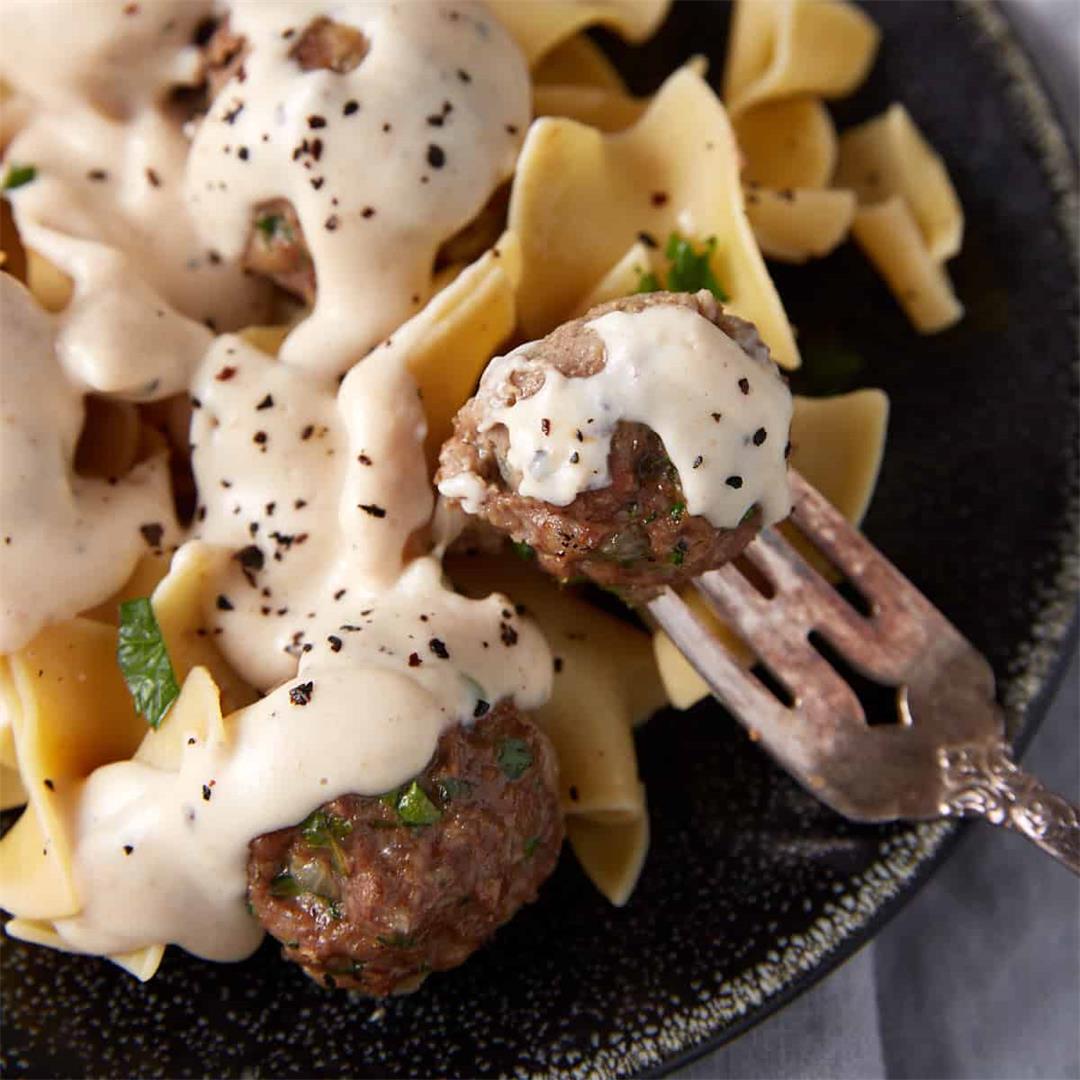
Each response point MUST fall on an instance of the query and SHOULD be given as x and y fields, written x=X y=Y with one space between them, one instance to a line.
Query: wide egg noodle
x=784 y=48
x=605 y=683
x=794 y=226
x=787 y=144
x=891 y=239
x=888 y=155
x=837 y=445
x=539 y=27
x=577 y=61
x=196 y=715
x=581 y=198
x=448 y=344
x=623 y=279
x=71 y=712
x=600 y=107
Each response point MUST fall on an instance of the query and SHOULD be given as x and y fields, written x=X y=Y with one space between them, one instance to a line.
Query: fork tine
x=882 y=585
x=878 y=647
x=767 y=719
x=778 y=635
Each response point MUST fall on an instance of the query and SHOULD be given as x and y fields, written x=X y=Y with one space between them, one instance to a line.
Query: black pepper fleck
x=734 y=482
x=436 y=156
x=301 y=693
x=372 y=509
x=759 y=436
x=439 y=649
x=152 y=533
x=224 y=603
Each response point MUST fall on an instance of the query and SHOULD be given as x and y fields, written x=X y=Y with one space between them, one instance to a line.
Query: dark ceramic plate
x=752 y=891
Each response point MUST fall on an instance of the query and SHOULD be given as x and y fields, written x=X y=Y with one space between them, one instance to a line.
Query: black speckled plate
x=752 y=891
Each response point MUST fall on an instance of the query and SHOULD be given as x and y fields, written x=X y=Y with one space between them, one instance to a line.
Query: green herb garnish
x=648 y=282
x=270 y=225
x=749 y=514
x=677 y=556
x=453 y=787
x=523 y=550
x=325 y=830
x=144 y=661
x=285 y=885
x=17 y=175
x=688 y=269
x=677 y=510
x=530 y=846
x=415 y=808
x=514 y=758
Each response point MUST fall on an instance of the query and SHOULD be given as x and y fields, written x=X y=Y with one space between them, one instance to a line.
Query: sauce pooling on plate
x=383 y=156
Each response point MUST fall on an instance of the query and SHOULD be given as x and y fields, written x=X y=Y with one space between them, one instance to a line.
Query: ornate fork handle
x=982 y=780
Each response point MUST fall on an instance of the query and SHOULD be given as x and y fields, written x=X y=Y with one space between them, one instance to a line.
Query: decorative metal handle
x=982 y=780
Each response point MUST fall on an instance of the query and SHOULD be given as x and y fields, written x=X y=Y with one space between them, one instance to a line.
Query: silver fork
x=945 y=757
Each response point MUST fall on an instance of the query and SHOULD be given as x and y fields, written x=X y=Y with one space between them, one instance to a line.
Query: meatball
x=633 y=536
x=374 y=892
x=276 y=248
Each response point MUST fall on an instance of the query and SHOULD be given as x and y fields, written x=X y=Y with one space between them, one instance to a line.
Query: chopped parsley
x=285 y=885
x=17 y=175
x=272 y=224
x=325 y=830
x=530 y=846
x=677 y=510
x=515 y=757
x=144 y=661
x=415 y=808
x=677 y=556
x=453 y=787
x=648 y=282
x=688 y=269
x=523 y=550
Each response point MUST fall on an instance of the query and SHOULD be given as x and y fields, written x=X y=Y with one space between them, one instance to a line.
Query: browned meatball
x=373 y=893
x=634 y=536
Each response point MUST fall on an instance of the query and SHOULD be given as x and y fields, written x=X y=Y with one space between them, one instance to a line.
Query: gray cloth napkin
x=980 y=975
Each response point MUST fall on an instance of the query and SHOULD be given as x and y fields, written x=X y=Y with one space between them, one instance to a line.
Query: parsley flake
x=415 y=808
x=17 y=175
x=688 y=269
x=515 y=757
x=144 y=661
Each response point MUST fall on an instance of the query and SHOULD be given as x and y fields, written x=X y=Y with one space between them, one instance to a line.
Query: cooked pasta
x=240 y=629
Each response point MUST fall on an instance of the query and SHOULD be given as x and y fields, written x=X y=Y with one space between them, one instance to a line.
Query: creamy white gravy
x=723 y=416
x=66 y=542
x=114 y=56
x=105 y=206
x=381 y=163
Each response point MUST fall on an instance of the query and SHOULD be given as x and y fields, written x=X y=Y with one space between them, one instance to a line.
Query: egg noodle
x=145 y=369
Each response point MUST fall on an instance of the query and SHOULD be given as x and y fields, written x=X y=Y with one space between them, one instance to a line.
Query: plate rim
x=1058 y=157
